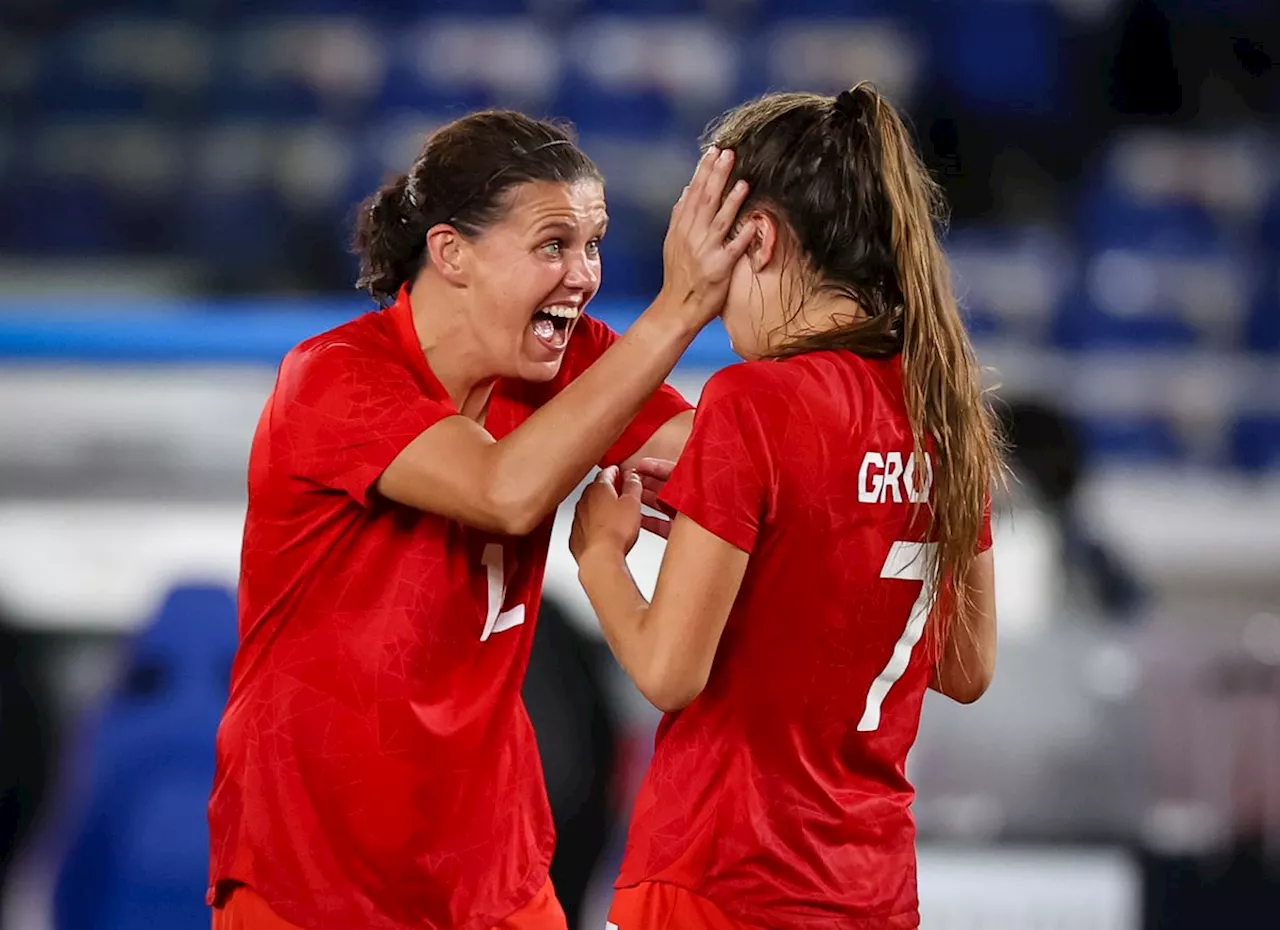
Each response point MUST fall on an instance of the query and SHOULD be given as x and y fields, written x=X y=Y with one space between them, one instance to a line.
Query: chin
x=538 y=370
x=746 y=348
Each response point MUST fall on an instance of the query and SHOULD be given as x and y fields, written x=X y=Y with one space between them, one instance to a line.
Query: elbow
x=669 y=700
x=670 y=691
x=510 y=508
x=516 y=522
x=967 y=688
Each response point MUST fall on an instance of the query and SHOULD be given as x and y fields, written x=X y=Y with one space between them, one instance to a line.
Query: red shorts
x=245 y=910
x=660 y=906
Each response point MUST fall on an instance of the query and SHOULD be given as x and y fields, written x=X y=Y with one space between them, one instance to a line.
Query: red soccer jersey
x=780 y=793
x=375 y=764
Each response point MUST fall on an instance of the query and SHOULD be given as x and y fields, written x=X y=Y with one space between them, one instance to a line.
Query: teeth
x=566 y=312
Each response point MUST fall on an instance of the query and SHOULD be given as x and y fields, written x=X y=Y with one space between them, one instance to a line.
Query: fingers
x=682 y=215
x=656 y=525
x=653 y=476
x=655 y=468
x=653 y=486
x=705 y=200
x=737 y=247
x=676 y=207
x=608 y=476
x=728 y=212
x=632 y=486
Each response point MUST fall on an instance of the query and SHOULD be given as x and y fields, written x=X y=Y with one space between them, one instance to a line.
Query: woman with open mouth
x=376 y=767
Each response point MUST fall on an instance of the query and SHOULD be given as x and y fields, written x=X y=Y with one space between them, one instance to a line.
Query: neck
x=448 y=341
x=825 y=310
x=820 y=312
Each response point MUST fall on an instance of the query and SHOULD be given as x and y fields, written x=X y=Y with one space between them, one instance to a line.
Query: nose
x=582 y=273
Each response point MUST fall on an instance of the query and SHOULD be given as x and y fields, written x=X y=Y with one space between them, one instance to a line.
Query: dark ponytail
x=461 y=177
x=390 y=241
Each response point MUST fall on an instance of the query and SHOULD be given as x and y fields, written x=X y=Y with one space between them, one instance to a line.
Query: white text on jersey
x=892 y=474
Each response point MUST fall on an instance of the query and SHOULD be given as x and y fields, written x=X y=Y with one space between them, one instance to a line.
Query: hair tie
x=847 y=104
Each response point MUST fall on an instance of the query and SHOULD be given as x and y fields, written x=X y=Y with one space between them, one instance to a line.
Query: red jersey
x=779 y=793
x=376 y=767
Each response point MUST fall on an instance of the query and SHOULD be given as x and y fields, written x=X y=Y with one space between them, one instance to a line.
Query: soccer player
x=376 y=768
x=830 y=507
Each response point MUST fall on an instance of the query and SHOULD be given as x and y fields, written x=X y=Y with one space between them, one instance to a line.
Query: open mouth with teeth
x=552 y=325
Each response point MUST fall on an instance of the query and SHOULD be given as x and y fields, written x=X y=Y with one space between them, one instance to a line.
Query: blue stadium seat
x=26 y=66
x=470 y=7
x=1080 y=324
x=645 y=7
x=1009 y=279
x=1132 y=440
x=405 y=91
x=235 y=229
x=647 y=77
x=822 y=9
x=62 y=217
x=981 y=322
x=1263 y=328
x=150 y=65
x=827 y=56
x=1000 y=58
x=452 y=63
x=317 y=7
x=631 y=255
x=329 y=67
x=232 y=214
x=1111 y=220
x=639 y=112
x=1255 y=442
x=1269 y=227
x=139 y=860
x=60 y=203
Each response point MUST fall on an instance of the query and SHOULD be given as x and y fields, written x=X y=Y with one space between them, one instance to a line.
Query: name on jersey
x=892 y=475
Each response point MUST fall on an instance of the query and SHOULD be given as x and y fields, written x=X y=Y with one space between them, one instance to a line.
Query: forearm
x=622 y=612
x=535 y=467
x=964 y=668
x=967 y=664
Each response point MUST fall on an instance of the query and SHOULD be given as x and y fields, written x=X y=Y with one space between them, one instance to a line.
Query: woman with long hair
x=829 y=554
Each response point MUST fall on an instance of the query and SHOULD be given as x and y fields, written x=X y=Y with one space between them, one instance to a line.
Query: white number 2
x=907 y=561
x=497 y=620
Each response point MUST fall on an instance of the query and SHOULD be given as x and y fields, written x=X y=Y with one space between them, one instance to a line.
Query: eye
x=553 y=248
x=593 y=248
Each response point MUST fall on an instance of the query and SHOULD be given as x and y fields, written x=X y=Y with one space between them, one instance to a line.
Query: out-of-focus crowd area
x=177 y=182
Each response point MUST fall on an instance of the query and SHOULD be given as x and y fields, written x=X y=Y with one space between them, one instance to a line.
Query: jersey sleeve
x=665 y=403
x=342 y=416
x=726 y=474
x=590 y=340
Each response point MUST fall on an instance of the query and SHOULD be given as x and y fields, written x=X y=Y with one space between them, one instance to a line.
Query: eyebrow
x=564 y=225
x=548 y=225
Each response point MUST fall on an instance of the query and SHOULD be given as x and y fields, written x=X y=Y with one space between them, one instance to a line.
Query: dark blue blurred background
x=177 y=181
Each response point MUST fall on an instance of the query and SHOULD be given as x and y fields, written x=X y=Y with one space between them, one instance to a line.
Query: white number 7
x=497 y=620
x=907 y=561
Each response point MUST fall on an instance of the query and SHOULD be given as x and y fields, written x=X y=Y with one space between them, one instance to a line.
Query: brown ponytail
x=844 y=176
x=941 y=377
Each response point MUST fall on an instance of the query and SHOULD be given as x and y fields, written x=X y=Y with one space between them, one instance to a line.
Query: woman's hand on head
x=699 y=254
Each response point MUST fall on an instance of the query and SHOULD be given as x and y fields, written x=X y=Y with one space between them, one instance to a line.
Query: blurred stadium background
x=176 y=184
